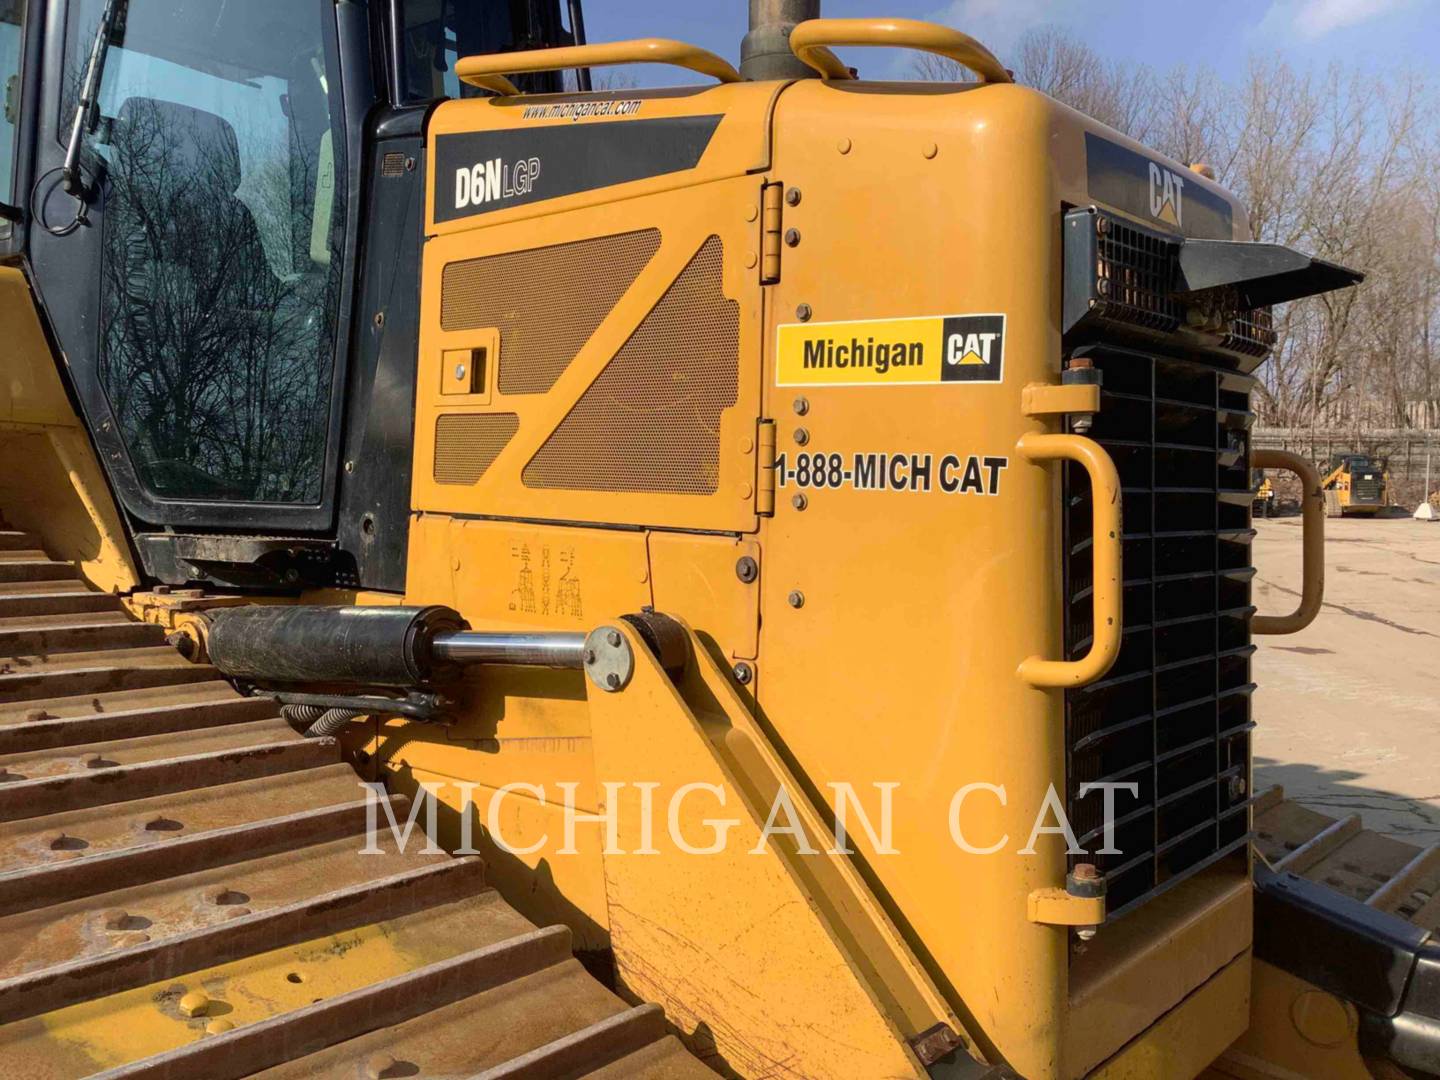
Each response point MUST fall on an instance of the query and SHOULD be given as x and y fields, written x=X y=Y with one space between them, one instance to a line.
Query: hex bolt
x=801 y=436
x=792 y=237
x=219 y=1027
x=588 y=656
x=612 y=680
x=799 y=501
x=379 y=319
x=796 y=598
x=195 y=1003
x=792 y=196
x=802 y=406
x=117 y=919
x=743 y=673
x=459 y=372
x=802 y=312
x=613 y=637
x=746 y=569
x=1102 y=225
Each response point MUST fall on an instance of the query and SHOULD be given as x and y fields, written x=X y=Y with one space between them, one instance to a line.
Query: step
x=94 y=831
x=382 y=1002
x=32 y=678
x=126 y=783
x=97 y=634
x=22 y=555
x=328 y=912
x=80 y=760
x=40 y=885
x=174 y=902
x=22 y=570
x=74 y=725
x=13 y=539
x=30 y=602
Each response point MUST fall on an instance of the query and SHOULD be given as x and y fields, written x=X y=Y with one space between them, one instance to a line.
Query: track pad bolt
x=195 y=1003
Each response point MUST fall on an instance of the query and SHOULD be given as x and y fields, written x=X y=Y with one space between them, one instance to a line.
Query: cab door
x=197 y=294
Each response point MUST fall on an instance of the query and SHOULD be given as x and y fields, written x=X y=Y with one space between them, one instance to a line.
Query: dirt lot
x=1349 y=709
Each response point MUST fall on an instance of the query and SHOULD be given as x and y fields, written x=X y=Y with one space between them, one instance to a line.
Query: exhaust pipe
x=765 y=50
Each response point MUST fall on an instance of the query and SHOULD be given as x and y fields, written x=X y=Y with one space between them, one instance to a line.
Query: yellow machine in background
x=826 y=609
x=1355 y=485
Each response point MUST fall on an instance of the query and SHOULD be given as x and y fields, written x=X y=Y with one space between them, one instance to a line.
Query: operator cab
x=220 y=206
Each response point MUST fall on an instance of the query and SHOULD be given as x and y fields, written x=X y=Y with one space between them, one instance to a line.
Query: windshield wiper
x=71 y=174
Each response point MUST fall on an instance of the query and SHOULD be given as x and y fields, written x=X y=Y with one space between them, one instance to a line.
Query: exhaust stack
x=765 y=50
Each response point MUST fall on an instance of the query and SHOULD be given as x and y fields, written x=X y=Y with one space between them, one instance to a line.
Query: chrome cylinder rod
x=557 y=649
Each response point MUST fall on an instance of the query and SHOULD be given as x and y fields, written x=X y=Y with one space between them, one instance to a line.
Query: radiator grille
x=651 y=420
x=547 y=302
x=1119 y=275
x=1367 y=491
x=1173 y=714
x=466 y=444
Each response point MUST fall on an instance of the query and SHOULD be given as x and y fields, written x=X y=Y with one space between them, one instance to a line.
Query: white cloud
x=1000 y=24
x=1312 y=19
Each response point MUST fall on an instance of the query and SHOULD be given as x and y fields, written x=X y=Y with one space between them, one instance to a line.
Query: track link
x=1387 y=874
x=183 y=890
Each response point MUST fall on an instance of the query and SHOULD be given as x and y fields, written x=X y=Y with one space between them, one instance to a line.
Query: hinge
x=770 y=233
x=765 y=478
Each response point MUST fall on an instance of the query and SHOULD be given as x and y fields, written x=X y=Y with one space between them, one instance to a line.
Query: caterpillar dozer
x=503 y=578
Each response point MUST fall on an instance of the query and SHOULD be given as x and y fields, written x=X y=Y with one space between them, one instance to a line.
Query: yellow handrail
x=1312 y=544
x=489 y=70
x=1105 y=550
x=810 y=37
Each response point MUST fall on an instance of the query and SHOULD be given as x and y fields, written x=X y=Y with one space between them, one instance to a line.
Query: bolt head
x=459 y=372
x=588 y=656
x=613 y=681
x=746 y=569
x=743 y=673
x=797 y=599
x=195 y=1003
x=802 y=406
x=613 y=637
x=799 y=501
x=803 y=312
x=792 y=237
x=792 y=196
x=802 y=436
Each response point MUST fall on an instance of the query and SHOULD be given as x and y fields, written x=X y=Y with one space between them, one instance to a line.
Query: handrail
x=810 y=37
x=1105 y=550
x=488 y=71
x=1312 y=544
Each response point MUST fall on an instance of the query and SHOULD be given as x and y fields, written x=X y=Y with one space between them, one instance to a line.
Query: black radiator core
x=1173 y=714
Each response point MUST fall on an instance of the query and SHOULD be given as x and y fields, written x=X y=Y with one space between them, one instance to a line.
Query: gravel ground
x=1349 y=709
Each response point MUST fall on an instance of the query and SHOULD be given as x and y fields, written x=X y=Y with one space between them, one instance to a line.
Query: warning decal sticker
x=891 y=352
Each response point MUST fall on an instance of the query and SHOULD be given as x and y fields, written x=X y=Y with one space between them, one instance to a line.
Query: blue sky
x=1217 y=33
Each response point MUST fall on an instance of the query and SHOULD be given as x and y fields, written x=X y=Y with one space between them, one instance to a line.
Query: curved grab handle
x=810 y=41
x=1105 y=550
x=488 y=71
x=1312 y=541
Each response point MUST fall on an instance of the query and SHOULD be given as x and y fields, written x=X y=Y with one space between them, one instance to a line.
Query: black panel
x=374 y=517
x=1154 y=192
x=525 y=165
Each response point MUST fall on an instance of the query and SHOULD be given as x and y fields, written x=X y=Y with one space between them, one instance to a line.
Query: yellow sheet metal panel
x=52 y=485
x=1295 y=1030
x=1191 y=1036
x=965 y=582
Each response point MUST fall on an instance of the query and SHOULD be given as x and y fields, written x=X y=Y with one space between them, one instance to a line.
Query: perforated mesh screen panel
x=546 y=301
x=466 y=444
x=651 y=421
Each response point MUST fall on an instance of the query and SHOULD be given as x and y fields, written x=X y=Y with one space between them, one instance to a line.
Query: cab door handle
x=1105 y=551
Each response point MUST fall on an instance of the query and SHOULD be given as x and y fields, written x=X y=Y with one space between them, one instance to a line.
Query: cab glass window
x=12 y=18
x=221 y=212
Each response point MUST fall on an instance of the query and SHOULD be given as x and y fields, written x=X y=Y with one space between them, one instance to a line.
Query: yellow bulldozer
x=503 y=578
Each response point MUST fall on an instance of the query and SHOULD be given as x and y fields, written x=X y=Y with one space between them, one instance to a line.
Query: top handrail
x=810 y=39
x=489 y=71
